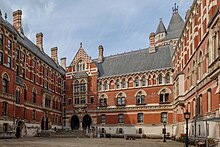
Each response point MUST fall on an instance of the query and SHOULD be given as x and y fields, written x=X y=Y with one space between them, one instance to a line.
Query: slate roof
x=160 y=28
x=136 y=61
x=175 y=26
x=32 y=47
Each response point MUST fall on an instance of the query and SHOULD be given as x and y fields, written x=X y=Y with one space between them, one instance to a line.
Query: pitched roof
x=136 y=61
x=160 y=28
x=32 y=47
x=175 y=26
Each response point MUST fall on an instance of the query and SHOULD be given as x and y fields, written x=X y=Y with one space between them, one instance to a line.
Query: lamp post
x=187 y=117
x=164 y=131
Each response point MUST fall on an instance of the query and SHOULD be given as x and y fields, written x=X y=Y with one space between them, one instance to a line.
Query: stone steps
x=64 y=134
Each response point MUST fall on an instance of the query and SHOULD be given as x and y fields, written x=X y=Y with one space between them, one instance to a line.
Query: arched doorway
x=74 y=122
x=87 y=121
x=20 y=129
x=44 y=123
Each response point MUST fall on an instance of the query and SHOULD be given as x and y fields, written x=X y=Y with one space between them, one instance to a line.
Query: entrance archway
x=74 y=122
x=20 y=129
x=44 y=123
x=87 y=121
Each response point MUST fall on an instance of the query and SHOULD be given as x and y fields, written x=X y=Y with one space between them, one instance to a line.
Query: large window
x=120 y=118
x=4 y=85
x=80 y=66
x=103 y=101
x=164 y=96
x=140 y=117
x=4 y=108
x=140 y=98
x=120 y=99
x=18 y=96
x=80 y=88
x=103 y=119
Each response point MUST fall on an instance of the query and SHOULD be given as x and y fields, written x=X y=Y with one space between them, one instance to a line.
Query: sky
x=119 y=25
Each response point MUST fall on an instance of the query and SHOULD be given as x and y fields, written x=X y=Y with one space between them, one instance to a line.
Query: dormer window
x=80 y=66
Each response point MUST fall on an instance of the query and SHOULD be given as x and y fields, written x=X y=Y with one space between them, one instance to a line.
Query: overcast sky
x=119 y=25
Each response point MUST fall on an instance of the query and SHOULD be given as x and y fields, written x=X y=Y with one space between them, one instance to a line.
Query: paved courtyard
x=86 y=142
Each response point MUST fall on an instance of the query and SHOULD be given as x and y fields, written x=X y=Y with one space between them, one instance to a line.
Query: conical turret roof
x=161 y=28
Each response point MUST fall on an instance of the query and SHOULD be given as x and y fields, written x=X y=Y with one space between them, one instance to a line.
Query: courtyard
x=86 y=142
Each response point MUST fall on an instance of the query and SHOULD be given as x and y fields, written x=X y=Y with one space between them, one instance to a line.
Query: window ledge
x=140 y=103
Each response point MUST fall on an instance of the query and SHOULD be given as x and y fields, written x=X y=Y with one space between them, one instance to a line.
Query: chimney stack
x=100 y=58
x=17 y=21
x=54 y=54
x=39 y=41
x=63 y=62
x=152 y=48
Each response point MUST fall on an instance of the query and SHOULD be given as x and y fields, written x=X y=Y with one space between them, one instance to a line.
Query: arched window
x=76 y=87
x=121 y=99
x=123 y=83
x=154 y=80
x=160 y=79
x=80 y=66
x=149 y=80
x=136 y=82
x=82 y=86
x=106 y=85
x=100 y=86
x=4 y=85
x=167 y=78
x=140 y=97
x=18 y=96
x=200 y=66
x=103 y=101
x=130 y=82
x=143 y=81
x=117 y=84
x=164 y=95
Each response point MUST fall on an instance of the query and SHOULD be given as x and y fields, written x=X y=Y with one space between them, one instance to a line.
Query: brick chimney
x=152 y=48
x=39 y=41
x=17 y=21
x=63 y=62
x=54 y=54
x=100 y=58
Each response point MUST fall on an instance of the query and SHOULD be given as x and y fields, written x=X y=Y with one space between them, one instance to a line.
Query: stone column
x=80 y=125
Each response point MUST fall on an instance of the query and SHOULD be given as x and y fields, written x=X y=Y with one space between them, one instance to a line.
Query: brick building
x=128 y=93
x=196 y=71
x=31 y=91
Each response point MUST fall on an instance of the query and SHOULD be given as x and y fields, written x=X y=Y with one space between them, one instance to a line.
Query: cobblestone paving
x=86 y=142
